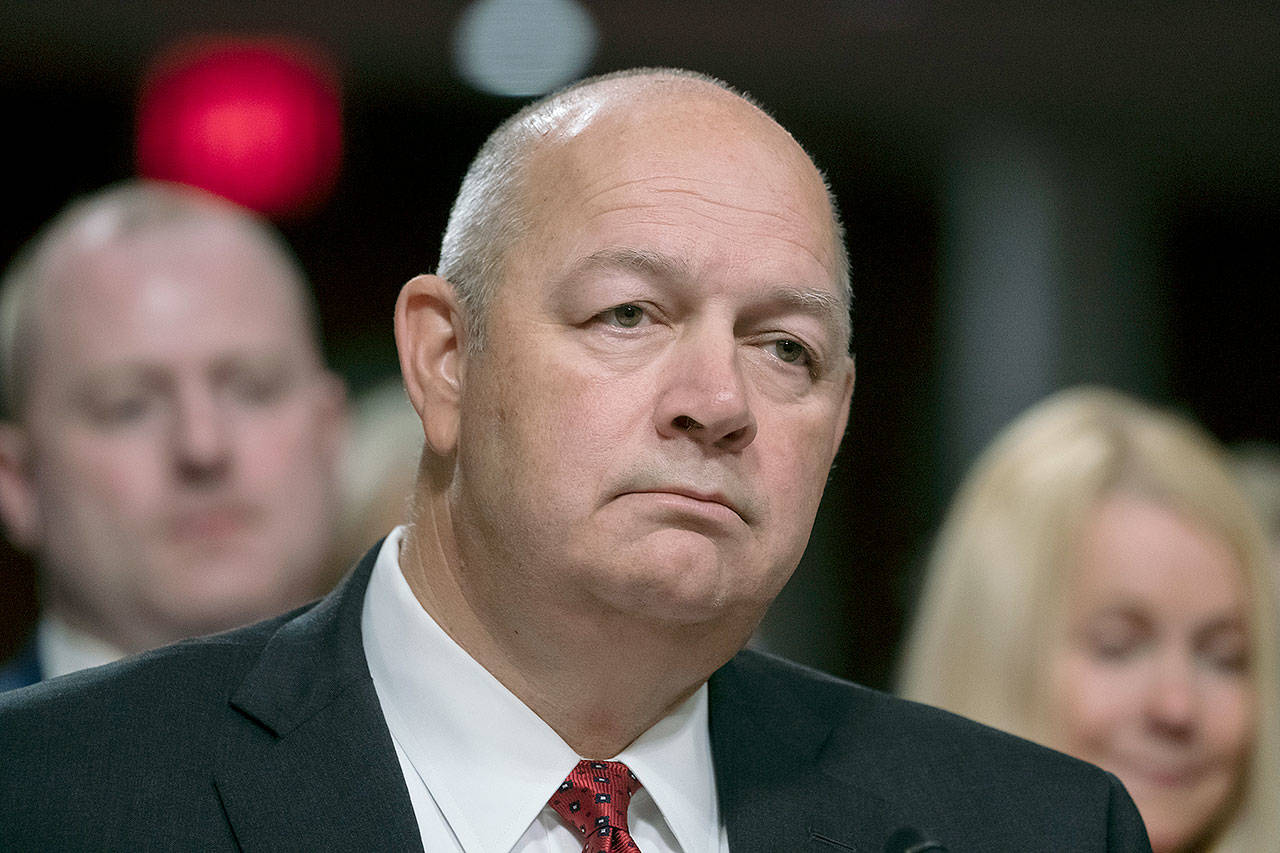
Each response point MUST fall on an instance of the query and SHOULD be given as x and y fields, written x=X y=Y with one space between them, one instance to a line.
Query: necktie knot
x=593 y=799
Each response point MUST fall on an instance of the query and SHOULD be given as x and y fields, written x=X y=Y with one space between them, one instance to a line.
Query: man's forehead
x=741 y=163
x=675 y=145
x=215 y=257
x=205 y=283
x=680 y=128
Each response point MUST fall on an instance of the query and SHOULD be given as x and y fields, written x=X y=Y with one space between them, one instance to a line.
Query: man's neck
x=599 y=679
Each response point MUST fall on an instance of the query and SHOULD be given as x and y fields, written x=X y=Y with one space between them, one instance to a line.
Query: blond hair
x=996 y=575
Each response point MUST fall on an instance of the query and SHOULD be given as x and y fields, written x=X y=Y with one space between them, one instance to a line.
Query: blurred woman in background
x=1100 y=586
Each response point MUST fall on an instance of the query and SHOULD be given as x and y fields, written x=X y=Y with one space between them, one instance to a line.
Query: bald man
x=632 y=372
x=170 y=435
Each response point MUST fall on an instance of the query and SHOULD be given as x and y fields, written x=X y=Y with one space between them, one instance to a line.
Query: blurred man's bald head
x=110 y=225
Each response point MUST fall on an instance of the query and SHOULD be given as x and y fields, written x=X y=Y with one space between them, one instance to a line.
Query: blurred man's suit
x=22 y=669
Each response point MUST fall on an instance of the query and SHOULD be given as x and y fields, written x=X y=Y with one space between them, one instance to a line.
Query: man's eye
x=627 y=316
x=118 y=411
x=259 y=389
x=792 y=352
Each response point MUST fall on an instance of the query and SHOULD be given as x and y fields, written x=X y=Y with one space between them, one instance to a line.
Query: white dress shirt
x=480 y=766
x=62 y=649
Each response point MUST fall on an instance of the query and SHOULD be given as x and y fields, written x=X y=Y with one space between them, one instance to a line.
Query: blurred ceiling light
x=256 y=120
x=523 y=47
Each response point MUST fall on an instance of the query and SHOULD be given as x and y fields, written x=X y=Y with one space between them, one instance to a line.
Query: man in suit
x=170 y=435
x=633 y=375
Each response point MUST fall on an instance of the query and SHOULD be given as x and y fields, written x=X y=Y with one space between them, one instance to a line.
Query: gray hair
x=96 y=222
x=489 y=215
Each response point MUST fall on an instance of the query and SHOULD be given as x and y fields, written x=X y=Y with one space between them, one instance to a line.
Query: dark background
x=1156 y=127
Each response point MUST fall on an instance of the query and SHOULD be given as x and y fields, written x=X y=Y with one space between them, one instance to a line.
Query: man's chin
x=694 y=584
x=215 y=616
x=212 y=595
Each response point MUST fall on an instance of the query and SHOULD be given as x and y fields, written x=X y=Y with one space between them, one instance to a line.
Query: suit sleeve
x=1125 y=830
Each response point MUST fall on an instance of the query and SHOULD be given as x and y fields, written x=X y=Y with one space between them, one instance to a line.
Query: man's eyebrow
x=644 y=261
x=821 y=304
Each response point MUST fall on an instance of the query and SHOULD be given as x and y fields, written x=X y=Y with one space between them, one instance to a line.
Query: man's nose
x=705 y=396
x=201 y=443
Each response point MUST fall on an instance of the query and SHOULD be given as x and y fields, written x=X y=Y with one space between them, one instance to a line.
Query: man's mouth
x=702 y=502
x=212 y=523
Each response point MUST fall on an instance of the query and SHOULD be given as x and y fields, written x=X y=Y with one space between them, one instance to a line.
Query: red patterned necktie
x=594 y=800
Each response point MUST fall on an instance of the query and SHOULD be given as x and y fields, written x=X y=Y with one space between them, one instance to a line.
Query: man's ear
x=19 y=503
x=430 y=337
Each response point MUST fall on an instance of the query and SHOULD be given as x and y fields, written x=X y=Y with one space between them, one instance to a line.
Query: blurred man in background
x=170 y=433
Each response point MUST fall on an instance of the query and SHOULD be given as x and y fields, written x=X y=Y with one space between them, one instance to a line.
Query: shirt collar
x=475 y=744
x=673 y=760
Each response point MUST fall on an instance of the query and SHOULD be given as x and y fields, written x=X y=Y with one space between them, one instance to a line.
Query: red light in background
x=256 y=120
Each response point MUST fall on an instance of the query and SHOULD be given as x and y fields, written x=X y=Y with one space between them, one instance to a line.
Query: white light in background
x=523 y=47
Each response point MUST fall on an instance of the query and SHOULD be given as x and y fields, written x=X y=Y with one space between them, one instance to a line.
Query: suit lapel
x=309 y=760
x=777 y=786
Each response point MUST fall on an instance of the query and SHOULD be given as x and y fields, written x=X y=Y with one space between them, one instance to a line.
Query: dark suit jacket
x=271 y=738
